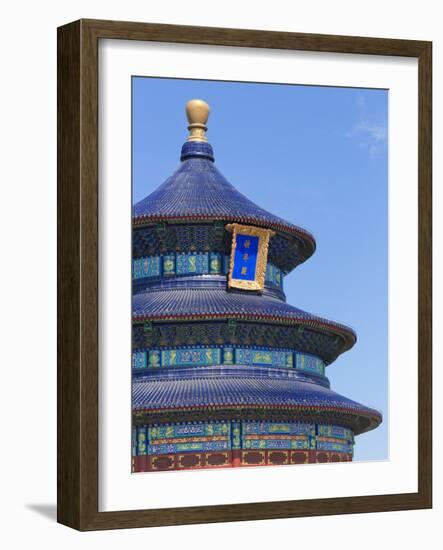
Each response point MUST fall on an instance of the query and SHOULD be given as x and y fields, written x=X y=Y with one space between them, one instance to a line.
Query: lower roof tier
x=201 y=304
x=157 y=399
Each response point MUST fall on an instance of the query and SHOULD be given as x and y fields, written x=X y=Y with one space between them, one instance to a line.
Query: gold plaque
x=249 y=256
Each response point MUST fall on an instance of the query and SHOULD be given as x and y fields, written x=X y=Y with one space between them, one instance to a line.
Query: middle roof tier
x=329 y=338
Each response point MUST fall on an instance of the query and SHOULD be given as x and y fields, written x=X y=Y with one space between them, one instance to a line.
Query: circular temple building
x=225 y=372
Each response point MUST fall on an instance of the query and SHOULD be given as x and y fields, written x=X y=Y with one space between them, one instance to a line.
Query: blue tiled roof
x=197 y=190
x=212 y=303
x=243 y=391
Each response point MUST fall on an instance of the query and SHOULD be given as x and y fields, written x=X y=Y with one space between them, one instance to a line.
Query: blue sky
x=316 y=156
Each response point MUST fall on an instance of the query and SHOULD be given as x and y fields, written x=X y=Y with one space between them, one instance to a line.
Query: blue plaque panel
x=245 y=257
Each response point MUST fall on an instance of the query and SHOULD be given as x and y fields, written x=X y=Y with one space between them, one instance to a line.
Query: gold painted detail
x=262 y=255
x=197 y=464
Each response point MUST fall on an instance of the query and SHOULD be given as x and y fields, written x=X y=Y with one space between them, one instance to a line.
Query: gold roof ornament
x=197 y=112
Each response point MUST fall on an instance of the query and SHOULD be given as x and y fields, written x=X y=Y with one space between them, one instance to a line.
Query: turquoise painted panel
x=239 y=435
x=141 y=440
x=228 y=356
x=169 y=265
x=146 y=267
x=289 y=360
x=202 y=263
x=290 y=428
x=139 y=360
x=215 y=263
x=261 y=357
x=184 y=265
x=189 y=430
x=276 y=444
x=191 y=446
x=273 y=275
x=154 y=358
x=199 y=263
x=334 y=431
x=194 y=357
x=188 y=264
x=226 y=264
x=134 y=441
x=309 y=363
x=236 y=435
x=334 y=446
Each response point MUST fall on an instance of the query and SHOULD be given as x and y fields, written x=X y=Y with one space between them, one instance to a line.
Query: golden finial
x=197 y=112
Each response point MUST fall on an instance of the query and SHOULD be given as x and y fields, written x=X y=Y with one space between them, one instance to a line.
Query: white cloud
x=372 y=135
x=375 y=131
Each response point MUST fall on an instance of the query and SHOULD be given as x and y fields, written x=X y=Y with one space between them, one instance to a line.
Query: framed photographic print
x=244 y=280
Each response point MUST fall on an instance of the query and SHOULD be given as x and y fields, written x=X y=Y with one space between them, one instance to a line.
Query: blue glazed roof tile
x=231 y=391
x=197 y=190
x=212 y=303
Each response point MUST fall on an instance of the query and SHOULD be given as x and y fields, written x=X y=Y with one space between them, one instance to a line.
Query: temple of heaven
x=225 y=372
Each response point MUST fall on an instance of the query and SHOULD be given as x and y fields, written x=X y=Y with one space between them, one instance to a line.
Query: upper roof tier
x=198 y=192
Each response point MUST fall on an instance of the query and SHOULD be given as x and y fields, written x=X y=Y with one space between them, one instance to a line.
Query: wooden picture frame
x=78 y=273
